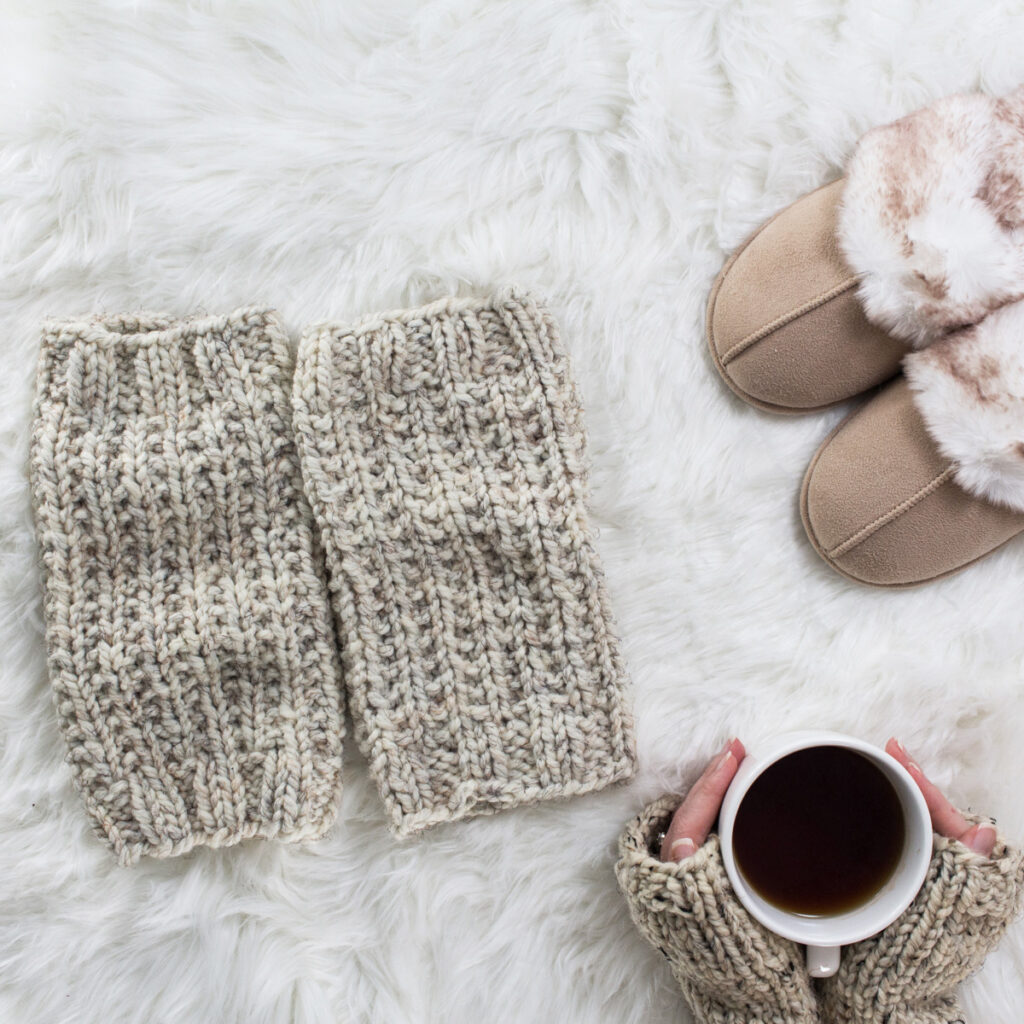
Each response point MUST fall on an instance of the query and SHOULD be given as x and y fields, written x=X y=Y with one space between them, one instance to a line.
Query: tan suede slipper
x=785 y=326
x=883 y=506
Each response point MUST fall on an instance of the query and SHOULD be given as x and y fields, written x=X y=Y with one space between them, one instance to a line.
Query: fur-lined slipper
x=929 y=476
x=969 y=389
x=886 y=503
x=785 y=326
x=925 y=236
x=932 y=215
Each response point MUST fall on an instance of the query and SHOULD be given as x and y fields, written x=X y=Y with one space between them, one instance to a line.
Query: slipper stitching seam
x=762 y=332
x=894 y=513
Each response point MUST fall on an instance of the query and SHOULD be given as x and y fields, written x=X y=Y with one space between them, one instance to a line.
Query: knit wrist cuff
x=729 y=967
x=960 y=914
x=190 y=645
x=442 y=452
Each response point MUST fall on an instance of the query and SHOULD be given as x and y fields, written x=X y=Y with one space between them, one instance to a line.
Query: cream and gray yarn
x=730 y=968
x=190 y=643
x=733 y=971
x=443 y=455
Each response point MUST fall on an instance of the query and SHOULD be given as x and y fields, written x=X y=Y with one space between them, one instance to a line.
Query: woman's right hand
x=946 y=819
x=910 y=970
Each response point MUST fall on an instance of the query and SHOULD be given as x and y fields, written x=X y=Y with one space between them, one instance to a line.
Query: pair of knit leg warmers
x=188 y=488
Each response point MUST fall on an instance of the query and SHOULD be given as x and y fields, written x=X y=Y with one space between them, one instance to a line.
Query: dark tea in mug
x=819 y=832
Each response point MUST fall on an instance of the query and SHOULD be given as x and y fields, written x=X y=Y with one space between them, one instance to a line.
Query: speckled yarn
x=909 y=973
x=731 y=970
x=190 y=644
x=443 y=454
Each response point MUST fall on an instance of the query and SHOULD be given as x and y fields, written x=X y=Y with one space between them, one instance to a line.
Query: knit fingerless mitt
x=443 y=455
x=909 y=973
x=731 y=970
x=189 y=639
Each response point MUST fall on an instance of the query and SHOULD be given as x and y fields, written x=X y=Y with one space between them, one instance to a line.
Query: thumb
x=981 y=839
x=693 y=820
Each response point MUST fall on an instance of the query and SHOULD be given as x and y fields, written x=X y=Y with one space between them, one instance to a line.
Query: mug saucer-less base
x=824 y=935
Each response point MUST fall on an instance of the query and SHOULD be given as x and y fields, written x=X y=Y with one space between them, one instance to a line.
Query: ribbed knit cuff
x=190 y=645
x=908 y=974
x=443 y=455
x=731 y=970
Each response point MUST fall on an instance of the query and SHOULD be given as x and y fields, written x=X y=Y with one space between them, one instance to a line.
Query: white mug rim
x=860 y=923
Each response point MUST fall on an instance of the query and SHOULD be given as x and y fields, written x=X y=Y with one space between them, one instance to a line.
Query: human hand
x=694 y=817
x=731 y=969
x=910 y=970
x=946 y=819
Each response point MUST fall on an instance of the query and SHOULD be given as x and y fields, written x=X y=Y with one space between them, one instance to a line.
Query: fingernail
x=682 y=848
x=911 y=763
x=983 y=840
x=722 y=756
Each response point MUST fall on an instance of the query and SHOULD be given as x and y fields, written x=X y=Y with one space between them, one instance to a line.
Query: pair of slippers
x=908 y=273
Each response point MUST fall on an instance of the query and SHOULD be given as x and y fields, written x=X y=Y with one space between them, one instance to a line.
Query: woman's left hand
x=696 y=814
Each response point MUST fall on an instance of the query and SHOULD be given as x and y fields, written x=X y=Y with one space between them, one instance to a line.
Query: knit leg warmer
x=443 y=455
x=730 y=968
x=909 y=973
x=189 y=638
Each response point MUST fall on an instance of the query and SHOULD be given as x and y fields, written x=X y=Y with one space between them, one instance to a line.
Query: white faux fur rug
x=333 y=159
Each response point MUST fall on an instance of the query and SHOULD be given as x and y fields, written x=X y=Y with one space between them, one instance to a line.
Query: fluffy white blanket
x=337 y=158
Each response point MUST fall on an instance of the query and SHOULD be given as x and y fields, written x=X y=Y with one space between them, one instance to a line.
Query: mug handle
x=822 y=961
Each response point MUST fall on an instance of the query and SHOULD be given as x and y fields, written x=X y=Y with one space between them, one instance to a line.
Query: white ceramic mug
x=824 y=935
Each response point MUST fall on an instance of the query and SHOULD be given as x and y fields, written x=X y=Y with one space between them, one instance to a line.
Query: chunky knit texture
x=730 y=968
x=909 y=973
x=188 y=626
x=443 y=454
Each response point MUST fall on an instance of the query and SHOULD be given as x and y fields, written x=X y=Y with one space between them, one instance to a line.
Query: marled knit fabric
x=730 y=968
x=191 y=650
x=443 y=454
x=909 y=973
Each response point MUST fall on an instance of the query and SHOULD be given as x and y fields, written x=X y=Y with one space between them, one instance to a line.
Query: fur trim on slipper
x=969 y=388
x=933 y=215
